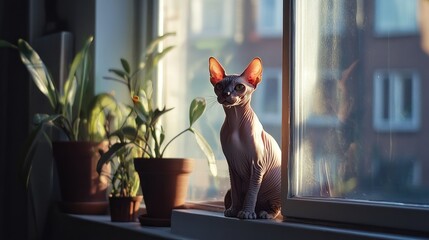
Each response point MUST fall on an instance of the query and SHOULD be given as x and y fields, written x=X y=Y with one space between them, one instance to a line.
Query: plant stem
x=182 y=132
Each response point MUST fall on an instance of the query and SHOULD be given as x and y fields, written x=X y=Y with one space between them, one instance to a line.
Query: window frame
x=350 y=212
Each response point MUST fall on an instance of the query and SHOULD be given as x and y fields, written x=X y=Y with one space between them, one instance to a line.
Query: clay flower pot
x=164 y=184
x=124 y=209
x=83 y=191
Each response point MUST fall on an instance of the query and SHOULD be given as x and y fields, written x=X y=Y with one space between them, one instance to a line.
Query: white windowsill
x=200 y=224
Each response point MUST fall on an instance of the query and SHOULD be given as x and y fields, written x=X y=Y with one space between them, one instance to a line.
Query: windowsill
x=202 y=224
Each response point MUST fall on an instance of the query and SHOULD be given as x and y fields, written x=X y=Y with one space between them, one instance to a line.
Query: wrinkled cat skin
x=253 y=156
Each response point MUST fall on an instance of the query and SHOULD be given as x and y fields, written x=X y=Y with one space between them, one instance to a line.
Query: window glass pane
x=227 y=30
x=372 y=148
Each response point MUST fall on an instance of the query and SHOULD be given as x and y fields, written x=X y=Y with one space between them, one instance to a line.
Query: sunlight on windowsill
x=209 y=224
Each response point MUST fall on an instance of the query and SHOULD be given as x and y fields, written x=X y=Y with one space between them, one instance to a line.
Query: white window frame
x=274 y=30
x=352 y=212
x=395 y=122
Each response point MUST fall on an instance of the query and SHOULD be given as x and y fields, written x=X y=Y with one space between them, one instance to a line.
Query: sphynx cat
x=253 y=156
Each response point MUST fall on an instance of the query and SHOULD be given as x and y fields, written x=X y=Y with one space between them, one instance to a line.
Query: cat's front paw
x=246 y=215
x=230 y=212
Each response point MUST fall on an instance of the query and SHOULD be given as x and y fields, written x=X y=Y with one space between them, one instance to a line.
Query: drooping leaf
x=196 y=109
x=38 y=71
x=113 y=151
x=4 y=43
x=32 y=143
x=207 y=150
x=30 y=148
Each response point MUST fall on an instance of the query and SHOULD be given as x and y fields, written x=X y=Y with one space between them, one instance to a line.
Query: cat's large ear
x=253 y=72
x=217 y=73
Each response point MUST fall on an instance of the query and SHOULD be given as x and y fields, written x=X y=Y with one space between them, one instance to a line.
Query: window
x=367 y=168
x=211 y=18
x=267 y=99
x=395 y=17
x=269 y=15
x=396 y=101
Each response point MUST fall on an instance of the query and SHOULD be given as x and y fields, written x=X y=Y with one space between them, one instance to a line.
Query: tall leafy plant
x=79 y=117
x=146 y=132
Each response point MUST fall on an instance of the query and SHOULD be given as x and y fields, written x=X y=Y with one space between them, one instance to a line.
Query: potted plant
x=81 y=119
x=164 y=181
x=123 y=199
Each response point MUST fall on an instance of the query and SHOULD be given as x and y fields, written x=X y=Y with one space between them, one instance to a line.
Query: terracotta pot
x=83 y=191
x=164 y=184
x=124 y=209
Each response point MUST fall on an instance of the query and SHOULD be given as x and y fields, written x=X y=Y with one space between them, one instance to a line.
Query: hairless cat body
x=253 y=155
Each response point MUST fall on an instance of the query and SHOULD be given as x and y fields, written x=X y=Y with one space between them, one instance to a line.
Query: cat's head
x=233 y=90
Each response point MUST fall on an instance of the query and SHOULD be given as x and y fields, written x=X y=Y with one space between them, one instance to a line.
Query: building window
x=267 y=99
x=350 y=172
x=211 y=18
x=395 y=17
x=269 y=21
x=396 y=101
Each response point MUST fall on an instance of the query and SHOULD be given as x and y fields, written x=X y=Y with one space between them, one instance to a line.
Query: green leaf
x=119 y=73
x=196 y=109
x=157 y=114
x=207 y=150
x=148 y=89
x=113 y=151
x=30 y=148
x=70 y=88
x=38 y=71
x=4 y=43
x=32 y=142
x=125 y=65
x=154 y=43
x=142 y=114
x=103 y=105
x=83 y=78
x=135 y=181
x=157 y=57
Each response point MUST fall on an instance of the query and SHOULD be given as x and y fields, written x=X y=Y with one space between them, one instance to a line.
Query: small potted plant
x=81 y=119
x=164 y=181
x=123 y=199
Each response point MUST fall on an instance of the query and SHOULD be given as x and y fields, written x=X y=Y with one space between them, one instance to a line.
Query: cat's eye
x=239 y=87
x=219 y=86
